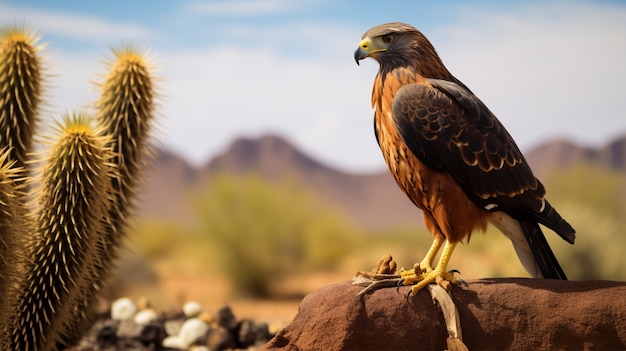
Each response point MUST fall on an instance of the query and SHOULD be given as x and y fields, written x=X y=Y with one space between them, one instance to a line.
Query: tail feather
x=553 y=220
x=544 y=257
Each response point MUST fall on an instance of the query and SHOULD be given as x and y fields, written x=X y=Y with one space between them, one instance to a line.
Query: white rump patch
x=490 y=207
x=513 y=230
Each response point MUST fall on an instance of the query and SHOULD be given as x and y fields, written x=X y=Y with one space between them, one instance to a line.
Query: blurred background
x=267 y=182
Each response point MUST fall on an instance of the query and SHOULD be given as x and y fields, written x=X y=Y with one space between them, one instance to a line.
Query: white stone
x=173 y=342
x=145 y=317
x=191 y=331
x=192 y=309
x=123 y=309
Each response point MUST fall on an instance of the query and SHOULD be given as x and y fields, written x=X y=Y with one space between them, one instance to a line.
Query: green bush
x=262 y=232
x=592 y=199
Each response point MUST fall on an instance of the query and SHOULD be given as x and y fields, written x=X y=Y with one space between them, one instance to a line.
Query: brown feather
x=447 y=209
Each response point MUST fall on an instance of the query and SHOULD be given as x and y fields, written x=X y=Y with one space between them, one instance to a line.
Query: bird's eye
x=389 y=38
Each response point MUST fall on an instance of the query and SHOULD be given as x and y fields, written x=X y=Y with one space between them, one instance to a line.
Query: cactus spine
x=74 y=194
x=13 y=232
x=125 y=111
x=55 y=255
x=20 y=95
x=20 y=86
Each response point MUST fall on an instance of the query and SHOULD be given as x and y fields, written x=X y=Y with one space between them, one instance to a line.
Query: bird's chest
x=411 y=175
x=417 y=181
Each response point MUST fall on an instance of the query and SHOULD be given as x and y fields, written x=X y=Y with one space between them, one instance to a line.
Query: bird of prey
x=453 y=158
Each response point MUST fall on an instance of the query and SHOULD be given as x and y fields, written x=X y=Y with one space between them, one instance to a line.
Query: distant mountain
x=270 y=155
x=365 y=198
x=563 y=154
x=371 y=201
x=169 y=183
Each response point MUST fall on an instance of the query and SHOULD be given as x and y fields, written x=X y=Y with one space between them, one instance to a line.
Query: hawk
x=453 y=158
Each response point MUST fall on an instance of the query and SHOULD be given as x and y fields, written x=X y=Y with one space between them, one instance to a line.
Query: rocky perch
x=495 y=314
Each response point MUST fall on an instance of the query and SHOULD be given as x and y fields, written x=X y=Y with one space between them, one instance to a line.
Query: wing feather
x=448 y=128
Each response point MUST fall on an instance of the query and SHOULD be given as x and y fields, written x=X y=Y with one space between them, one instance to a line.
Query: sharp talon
x=408 y=294
x=399 y=284
x=454 y=271
x=462 y=282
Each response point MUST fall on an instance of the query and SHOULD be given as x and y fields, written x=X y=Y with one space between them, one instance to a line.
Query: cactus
x=13 y=230
x=74 y=191
x=125 y=111
x=21 y=87
x=55 y=254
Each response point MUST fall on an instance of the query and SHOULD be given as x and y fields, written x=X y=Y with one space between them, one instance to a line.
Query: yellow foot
x=420 y=279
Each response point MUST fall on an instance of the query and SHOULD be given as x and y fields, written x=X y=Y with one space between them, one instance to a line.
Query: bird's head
x=398 y=44
x=383 y=40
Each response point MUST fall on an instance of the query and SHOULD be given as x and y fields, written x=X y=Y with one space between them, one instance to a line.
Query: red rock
x=495 y=314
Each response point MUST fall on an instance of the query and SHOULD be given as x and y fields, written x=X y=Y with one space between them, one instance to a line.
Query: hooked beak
x=367 y=47
x=360 y=54
x=362 y=51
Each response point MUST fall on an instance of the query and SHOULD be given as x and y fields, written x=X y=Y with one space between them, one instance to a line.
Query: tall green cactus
x=13 y=232
x=125 y=110
x=21 y=82
x=74 y=190
x=55 y=256
x=20 y=98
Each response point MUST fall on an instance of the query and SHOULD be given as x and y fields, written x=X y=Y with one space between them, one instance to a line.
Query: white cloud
x=75 y=26
x=313 y=93
x=322 y=107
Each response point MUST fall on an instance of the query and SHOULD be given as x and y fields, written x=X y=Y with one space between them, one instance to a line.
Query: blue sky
x=547 y=69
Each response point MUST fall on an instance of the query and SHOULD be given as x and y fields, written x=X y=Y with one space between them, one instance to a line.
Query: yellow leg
x=426 y=265
x=438 y=275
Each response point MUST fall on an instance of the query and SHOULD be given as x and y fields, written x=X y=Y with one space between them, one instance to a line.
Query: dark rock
x=252 y=334
x=107 y=336
x=220 y=339
x=226 y=319
x=152 y=334
x=246 y=333
x=495 y=314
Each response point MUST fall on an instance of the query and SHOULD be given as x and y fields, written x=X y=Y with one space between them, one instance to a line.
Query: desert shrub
x=262 y=232
x=592 y=199
x=157 y=240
